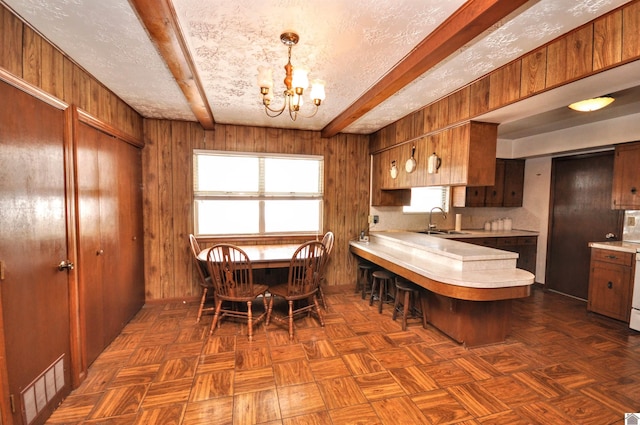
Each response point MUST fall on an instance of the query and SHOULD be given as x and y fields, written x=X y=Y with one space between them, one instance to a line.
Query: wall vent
x=37 y=395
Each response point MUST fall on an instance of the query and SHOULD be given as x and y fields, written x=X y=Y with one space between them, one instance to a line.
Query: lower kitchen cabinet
x=525 y=246
x=611 y=283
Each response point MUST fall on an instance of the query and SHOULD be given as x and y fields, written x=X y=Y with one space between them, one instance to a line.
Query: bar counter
x=468 y=288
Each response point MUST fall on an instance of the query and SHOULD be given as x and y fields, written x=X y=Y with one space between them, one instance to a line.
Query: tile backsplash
x=631 y=230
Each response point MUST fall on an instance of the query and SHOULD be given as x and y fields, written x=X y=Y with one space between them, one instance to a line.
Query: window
x=256 y=194
x=423 y=199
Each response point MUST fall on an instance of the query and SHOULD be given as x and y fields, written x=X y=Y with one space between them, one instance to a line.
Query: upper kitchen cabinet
x=626 y=178
x=465 y=154
x=386 y=191
x=473 y=154
x=506 y=192
x=439 y=149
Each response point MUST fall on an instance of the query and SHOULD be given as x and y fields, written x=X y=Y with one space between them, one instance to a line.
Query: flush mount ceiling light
x=593 y=104
x=296 y=81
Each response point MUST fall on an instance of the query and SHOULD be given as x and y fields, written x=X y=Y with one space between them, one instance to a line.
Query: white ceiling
x=350 y=44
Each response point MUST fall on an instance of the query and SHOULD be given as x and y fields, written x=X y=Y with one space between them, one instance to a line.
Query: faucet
x=444 y=215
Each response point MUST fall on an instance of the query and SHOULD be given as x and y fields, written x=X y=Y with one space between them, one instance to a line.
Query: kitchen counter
x=480 y=233
x=623 y=246
x=469 y=288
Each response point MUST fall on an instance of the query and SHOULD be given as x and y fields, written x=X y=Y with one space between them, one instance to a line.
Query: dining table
x=264 y=256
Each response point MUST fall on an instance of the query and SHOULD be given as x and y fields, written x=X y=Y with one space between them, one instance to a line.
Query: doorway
x=33 y=242
x=580 y=212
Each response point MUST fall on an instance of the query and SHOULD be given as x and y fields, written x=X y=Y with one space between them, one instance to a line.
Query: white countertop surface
x=447 y=261
x=623 y=246
x=480 y=233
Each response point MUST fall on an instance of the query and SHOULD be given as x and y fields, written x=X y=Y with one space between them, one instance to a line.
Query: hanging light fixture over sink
x=296 y=82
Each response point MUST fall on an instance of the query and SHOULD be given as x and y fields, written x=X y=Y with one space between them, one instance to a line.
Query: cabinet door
x=475 y=196
x=493 y=196
x=439 y=144
x=609 y=289
x=459 y=162
x=626 y=179
x=513 y=182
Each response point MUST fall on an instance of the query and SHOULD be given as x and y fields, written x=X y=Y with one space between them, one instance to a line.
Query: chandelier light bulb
x=317 y=90
x=265 y=77
x=300 y=79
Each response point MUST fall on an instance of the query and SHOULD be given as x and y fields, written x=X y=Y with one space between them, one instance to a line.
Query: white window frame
x=260 y=195
x=416 y=207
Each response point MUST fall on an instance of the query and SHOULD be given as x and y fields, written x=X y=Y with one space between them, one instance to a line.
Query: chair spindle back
x=230 y=270
x=306 y=268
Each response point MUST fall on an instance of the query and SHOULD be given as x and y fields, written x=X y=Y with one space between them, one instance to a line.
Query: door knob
x=65 y=265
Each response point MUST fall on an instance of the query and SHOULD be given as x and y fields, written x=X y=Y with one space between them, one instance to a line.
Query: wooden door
x=110 y=260
x=33 y=241
x=580 y=213
x=90 y=247
x=125 y=290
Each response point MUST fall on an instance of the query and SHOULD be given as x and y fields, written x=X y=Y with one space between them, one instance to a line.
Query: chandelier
x=296 y=82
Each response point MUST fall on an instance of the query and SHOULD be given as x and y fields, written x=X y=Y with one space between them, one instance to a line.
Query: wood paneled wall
x=606 y=42
x=27 y=55
x=168 y=194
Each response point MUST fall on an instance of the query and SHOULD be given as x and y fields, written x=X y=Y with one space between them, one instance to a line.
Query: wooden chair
x=327 y=241
x=205 y=280
x=300 y=291
x=232 y=276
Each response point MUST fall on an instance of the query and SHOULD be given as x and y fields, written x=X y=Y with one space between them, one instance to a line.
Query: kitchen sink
x=442 y=232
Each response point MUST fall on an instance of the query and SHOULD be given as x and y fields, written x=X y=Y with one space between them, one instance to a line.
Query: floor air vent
x=42 y=390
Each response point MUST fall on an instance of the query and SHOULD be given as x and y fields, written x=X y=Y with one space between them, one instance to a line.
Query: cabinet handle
x=610 y=285
x=633 y=190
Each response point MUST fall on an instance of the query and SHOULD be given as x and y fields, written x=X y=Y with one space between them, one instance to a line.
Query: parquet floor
x=560 y=365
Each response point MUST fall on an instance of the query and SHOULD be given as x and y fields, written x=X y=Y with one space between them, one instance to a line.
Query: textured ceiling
x=350 y=44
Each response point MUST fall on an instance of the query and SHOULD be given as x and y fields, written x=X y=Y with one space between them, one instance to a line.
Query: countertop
x=447 y=261
x=631 y=247
x=481 y=233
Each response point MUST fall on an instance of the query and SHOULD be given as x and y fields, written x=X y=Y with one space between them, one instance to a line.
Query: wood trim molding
x=32 y=90
x=100 y=125
x=159 y=18
x=76 y=332
x=473 y=18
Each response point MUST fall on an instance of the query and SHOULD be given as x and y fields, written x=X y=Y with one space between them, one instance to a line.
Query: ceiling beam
x=159 y=18
x=470 y=20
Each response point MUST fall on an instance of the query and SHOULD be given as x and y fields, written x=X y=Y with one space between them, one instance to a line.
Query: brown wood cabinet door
x=609 y=290
x=475 y=196
x=33 y=241
x=513 y=183
x=494 y=195
x=626 y=180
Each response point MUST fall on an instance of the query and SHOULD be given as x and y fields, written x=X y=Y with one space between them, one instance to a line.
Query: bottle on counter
x=508 y=224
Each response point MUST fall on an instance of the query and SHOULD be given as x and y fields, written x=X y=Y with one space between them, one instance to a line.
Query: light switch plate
x=631 y=221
